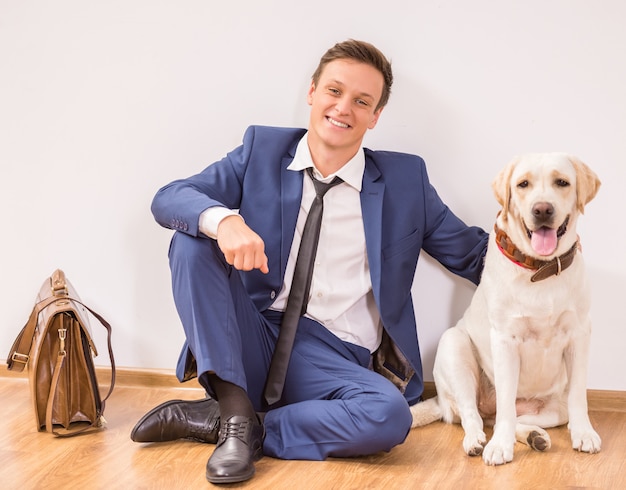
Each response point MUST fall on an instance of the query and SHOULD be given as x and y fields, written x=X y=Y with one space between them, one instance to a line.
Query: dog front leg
x=456 y=372
x=506 y=369
x=584 y=437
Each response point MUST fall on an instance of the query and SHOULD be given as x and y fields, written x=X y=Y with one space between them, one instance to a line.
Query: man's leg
x=335 y=406
x=221 y=323
x=216 y=312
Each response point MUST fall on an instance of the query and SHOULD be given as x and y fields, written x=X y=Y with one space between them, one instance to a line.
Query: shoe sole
x=258 y=454
x=230 y=479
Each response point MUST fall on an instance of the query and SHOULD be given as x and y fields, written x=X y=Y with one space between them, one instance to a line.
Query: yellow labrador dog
x=522 y=345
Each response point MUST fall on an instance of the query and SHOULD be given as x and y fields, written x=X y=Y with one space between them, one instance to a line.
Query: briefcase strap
x=106 y=325
x=50 y=405
x=20 y=350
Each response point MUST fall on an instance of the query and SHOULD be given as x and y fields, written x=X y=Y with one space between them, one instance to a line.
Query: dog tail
x=426 y=412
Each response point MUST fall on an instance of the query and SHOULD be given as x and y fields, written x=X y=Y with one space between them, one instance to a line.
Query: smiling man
x=292 y=265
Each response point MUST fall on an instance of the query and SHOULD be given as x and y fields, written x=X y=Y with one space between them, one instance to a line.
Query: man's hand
x=242 y=247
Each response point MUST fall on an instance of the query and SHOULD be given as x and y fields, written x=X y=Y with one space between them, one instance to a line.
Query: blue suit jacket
x=402 y=214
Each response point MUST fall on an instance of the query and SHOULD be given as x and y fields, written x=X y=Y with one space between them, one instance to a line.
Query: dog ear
x=502 y=187
x=587 y=183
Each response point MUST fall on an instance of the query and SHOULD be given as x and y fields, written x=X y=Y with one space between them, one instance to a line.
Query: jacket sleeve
x=178 y=205
x=458 y=247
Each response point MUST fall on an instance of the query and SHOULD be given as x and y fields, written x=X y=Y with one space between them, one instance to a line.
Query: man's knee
x=399 y=419
x=192 y=252
x=390 y=418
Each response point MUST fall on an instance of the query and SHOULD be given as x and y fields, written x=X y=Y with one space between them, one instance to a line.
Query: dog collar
x=544 y=268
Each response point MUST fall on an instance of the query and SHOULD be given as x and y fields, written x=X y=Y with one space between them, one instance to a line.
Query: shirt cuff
x=211 y=217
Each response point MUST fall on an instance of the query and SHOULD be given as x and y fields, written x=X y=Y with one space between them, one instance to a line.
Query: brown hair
x=364 y=53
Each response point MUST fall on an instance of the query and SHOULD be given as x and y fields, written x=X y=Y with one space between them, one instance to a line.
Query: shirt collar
x=351 y=173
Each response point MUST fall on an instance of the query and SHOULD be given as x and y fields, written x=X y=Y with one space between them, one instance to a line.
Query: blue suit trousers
x=333 y=405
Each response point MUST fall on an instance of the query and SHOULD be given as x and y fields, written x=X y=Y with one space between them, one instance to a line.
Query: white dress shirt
x=341 y=296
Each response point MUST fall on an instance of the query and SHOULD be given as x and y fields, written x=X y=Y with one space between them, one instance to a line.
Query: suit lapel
x=372 y=208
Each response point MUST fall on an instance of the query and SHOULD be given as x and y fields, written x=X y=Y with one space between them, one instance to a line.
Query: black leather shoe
x=239 y=446
x=198 y=420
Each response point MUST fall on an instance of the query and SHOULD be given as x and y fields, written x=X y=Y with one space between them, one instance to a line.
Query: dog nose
x=543 y=211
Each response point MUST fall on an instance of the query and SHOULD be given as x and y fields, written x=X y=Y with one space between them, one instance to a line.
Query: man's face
x=343 y=104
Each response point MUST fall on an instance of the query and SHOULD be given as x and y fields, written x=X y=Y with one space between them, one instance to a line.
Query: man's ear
x=309 y=95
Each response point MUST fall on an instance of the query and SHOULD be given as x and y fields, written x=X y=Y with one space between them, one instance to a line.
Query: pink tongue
x=544 y=241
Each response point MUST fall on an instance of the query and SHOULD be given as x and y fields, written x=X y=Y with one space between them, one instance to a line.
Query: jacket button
x=272 y=294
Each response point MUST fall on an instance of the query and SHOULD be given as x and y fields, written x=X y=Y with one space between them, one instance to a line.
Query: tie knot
x=321 y=187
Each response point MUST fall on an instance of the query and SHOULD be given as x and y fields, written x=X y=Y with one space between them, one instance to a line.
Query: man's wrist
x=211 y=218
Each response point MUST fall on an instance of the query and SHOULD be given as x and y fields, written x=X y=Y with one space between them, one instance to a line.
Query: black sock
x=232 y=399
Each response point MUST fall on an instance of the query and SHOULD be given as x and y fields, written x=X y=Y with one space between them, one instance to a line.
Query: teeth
x=337 y=123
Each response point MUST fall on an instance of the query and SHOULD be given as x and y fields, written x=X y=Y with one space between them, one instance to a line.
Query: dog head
x=541 y=196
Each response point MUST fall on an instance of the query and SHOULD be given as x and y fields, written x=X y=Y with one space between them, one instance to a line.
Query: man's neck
x=329 y=160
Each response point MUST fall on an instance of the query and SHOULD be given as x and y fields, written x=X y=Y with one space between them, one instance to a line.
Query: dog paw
x=586 y=441
x=539 y=440
x=473 y=444
x=497 y=454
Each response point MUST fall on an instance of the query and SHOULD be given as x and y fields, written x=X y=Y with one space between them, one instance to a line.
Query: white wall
x=101 y=103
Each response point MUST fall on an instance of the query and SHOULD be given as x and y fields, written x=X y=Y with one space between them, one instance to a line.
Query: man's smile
x=334 y=122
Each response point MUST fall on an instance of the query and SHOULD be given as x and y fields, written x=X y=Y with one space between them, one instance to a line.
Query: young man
x=354 y=365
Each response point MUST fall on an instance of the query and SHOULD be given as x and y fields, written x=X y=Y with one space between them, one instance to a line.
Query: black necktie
x=299 y=293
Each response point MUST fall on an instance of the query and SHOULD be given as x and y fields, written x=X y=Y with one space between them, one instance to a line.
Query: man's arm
x=458 y=247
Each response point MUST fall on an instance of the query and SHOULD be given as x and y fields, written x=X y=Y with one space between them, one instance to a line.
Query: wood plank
x=431 y=458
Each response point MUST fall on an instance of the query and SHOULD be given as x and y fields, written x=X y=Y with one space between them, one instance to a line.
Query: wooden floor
x=431 y=457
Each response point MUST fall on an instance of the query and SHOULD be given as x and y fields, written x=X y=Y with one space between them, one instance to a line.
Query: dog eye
x=523 y=184
x=561 y=183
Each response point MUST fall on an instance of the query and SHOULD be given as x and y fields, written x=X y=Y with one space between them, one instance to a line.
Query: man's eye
x=362 y=102
x=333 y=91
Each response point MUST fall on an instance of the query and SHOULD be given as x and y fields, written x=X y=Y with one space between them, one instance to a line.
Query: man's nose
x=343 y=105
